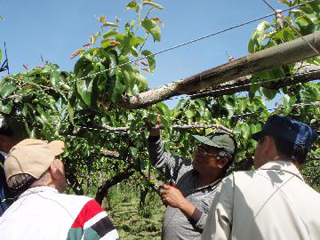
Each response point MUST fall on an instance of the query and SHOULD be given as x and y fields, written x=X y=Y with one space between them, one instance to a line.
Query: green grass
x=131 y=221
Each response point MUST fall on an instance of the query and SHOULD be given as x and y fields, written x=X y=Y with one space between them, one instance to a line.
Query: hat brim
x=57 y=147
x=257 y=136
x=207 y=141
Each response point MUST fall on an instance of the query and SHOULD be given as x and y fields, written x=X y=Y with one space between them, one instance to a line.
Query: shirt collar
x=36 y=190
x=196 y=175
x=285 y=166
x=3 y=153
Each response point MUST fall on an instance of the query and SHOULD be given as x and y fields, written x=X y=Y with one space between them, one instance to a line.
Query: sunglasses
x=204 y=153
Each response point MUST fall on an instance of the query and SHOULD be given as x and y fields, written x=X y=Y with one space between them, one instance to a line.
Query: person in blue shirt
x=7 y=140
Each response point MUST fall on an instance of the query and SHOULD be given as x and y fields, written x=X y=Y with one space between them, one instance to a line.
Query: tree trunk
x=103 y=190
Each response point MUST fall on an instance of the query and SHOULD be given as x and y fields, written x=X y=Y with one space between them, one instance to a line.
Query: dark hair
x=4 y=127
x=20 y=182
x=290 y=150
x=229 y=156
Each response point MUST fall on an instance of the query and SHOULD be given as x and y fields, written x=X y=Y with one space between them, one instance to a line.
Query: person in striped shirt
x=36 y=174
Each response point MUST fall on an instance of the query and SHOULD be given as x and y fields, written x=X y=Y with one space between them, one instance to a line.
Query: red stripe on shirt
x=91 y=209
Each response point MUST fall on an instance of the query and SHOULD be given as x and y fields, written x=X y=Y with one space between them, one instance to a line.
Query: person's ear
x=222 y=162
x=54 y=171
x=268 y=143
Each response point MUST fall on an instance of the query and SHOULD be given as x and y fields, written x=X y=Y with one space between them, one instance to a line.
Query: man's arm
x=92 y=223
x=173 y=197
x=167 y=163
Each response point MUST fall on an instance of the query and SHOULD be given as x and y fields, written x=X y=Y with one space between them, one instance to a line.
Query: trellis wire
x=104 y=128
x=195 y=40
x=192 y=96
x=289 y=24
x=177 y=46
x=192 y=41
x=196 y=125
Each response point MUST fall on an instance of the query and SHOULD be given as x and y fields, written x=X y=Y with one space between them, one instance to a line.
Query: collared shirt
x=41 y=213
x=178 y=168
x=272 y=202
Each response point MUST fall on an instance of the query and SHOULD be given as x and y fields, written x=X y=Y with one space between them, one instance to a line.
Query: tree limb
x=245 y=85
x=103 y=190
x=274 y=57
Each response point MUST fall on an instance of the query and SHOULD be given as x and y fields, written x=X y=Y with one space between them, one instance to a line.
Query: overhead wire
x=279 y=14
x=195 y=40
x=260 y=82
x=195 y=95
x=181 y=44
x=192 y=41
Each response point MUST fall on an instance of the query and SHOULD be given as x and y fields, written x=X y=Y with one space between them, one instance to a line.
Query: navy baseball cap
x=288 y=129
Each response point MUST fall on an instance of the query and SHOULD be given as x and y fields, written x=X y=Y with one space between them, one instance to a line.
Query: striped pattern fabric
x=92 y=223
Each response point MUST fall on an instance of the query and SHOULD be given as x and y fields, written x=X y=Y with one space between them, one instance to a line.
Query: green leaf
x=253 y=44
x=110 y=33
x=133 y=6
x=113 y=57
x=153 y=4
x=245 y=130
x=0 y=55
x=119 y=87
x=6 y=108
x=136 y=41
x=202 y=106
x=6 y=90
x=71 y=113
x=54 y=78
x=288 y=103
x=150 y=58
x=230 y=109
x=83 y=67
x=269 y=93
x=152 y=27
x=126 y=44
x=286 y=34
x=190 y=114
x=255 y=128
x=165 y=121
x=242 y=105
x=134 y=51
x=163 y=109
x=305 y=24
x=84 y=88
x=141 y=80
x=262 y=27
x=106 y=43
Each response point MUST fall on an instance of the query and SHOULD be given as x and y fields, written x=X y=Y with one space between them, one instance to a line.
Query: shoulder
x=75 y=203
x=237 y=178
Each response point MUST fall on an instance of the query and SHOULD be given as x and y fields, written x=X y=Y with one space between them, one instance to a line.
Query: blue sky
x=55 y=29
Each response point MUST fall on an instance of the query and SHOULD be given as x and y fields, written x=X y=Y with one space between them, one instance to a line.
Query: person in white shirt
x=35 y=172
x=272 y=202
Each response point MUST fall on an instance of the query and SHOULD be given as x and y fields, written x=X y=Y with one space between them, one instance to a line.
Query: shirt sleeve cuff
x=195 y=217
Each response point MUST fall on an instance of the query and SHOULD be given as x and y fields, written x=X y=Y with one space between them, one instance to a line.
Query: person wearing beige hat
x=36 y=174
